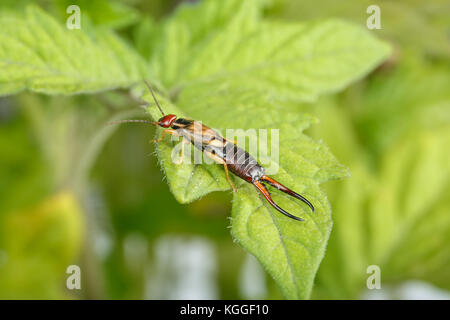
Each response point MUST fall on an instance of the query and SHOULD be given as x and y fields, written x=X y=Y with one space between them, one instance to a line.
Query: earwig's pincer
x=233 y=158
x=286 y=190
x=266 y=195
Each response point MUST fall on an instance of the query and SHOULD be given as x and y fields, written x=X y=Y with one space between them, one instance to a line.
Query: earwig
x=223 y=151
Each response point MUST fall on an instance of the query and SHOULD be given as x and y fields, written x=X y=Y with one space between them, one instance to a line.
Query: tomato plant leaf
x=39 y=53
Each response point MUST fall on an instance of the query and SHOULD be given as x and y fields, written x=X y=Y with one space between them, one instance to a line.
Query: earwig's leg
x=228 y=177
x=266 y=195
x=220 y=160
x=169 y=131
x=180 y=160
x=286 y=190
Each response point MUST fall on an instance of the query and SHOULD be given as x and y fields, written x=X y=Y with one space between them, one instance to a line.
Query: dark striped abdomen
x=240 y=162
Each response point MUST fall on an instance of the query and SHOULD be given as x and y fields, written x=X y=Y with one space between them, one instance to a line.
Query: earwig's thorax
x=167 y=121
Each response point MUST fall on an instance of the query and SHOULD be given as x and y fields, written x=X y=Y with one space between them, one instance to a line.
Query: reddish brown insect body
x=225 y=152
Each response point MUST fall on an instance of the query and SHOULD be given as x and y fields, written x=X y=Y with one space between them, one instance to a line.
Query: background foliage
x=74 y=191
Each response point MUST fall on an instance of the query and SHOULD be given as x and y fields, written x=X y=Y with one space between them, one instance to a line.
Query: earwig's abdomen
x=241 y=163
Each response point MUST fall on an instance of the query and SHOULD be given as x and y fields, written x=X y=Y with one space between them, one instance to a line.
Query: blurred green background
x=73 y=191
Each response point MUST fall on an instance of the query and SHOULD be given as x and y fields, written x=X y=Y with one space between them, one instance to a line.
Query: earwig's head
x=167 y=121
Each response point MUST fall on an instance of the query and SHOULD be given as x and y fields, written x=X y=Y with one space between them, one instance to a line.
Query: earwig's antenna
x=125 y=121
x=154 y=98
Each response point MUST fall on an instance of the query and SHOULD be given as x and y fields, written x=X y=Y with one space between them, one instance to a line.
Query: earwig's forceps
x=286 y=190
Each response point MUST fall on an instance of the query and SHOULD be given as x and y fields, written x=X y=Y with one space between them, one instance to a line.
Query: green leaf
x=39 y=53
x=291 y=61
x=195 y=25
x=242 y=72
